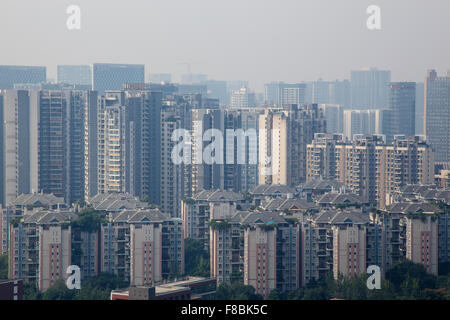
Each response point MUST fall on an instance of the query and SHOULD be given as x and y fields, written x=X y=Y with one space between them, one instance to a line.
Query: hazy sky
x=255 y=40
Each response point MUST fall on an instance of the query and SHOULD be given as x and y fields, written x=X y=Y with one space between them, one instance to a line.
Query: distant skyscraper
x=340 y=93
x=437 y=114
x=419 y=107
x=321 y=92
x=285 y=94
x=271 y=93
x=402 y=102
x=240 y=98
x=217 y=90
x=334 y=114
x=193 y=89
x=113 y=76
x=235 y=85
x=191 y=78
x=14 y=145
x=9 y=75
x=75 y=75
x=160 y=77
x=369 y=88
x=359 y=122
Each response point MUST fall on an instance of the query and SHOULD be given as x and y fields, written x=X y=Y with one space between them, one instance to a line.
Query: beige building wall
x=422 y=242
x=349 y=251
x=273 y=145
x=54 y=255
x=145 y=255
x=260 y=260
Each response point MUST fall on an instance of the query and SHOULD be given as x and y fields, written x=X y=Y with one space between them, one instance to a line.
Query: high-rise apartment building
x=52 y=141
x=112 y=145
x=129 y=143
x=14 y=145
x=142 y=246
x=283 y=136
x=24 y=204
x=349 y=244
x=45 y=142
x=233 y=163
x=196 y=211
x=172 y=175
x=437 y=114
x=271 y=255
x=368 y=166
x=39 y=250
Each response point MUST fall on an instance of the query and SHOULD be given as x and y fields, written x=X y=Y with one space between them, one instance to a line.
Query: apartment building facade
x=368 y=167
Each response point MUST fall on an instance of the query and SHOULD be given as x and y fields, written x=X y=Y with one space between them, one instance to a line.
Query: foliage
x=3 y=266
x=219 y=225
x=188 y=200
x=236 y=291
x=174 y=272
x=247 y=196
x=404 y=281
x=100 y=287
x=31 y=292
x=267 y=227
x=196 y=258
x=292 y=220
x=89 y=220
x=95 y=288
x=59 y=291
x=15 y=221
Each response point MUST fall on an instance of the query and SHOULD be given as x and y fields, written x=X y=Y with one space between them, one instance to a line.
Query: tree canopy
x=196 y=258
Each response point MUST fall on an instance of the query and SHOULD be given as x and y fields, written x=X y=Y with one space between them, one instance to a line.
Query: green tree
x=3 y=266
x=410 y=279
x=89 y=220
x=59 y=291
x=196 y=258
x=31 y=292
x=236 y=291
x=275 y=294
x=100 y=287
